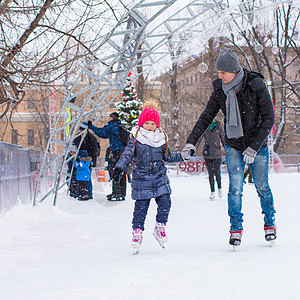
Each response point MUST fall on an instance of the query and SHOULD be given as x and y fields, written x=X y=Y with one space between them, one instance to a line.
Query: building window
x=30 y=104
x=14 y=137
x=30 y=136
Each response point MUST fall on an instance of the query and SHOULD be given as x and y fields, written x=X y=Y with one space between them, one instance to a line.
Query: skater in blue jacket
x=148 y=146
x=83 y=174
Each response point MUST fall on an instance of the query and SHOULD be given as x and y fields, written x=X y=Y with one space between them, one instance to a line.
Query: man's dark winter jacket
x=256 y=110
x=90 y=145
x=149 y=175
x=112 y=132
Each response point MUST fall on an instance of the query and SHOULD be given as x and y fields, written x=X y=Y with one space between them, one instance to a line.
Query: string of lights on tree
x=129 y=108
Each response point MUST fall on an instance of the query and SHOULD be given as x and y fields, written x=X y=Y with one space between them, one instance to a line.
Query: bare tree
x=275 y=53
x=46 y=41
x=141 y=78
x=175 y=52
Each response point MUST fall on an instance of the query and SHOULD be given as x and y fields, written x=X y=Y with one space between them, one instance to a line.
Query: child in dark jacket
x=149 y=176
x=83 y=174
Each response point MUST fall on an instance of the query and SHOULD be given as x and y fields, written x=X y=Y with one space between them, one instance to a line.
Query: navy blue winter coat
x=149 y=175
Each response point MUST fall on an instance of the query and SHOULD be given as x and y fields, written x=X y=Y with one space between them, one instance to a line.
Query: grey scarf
x=234 y=128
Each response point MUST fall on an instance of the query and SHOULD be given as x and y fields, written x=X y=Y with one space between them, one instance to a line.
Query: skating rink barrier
x=19 y=169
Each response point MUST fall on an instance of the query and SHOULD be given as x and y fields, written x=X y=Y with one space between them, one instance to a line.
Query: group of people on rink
x=245 y=102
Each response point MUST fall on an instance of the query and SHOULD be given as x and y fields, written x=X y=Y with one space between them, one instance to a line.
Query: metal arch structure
x=153 y=30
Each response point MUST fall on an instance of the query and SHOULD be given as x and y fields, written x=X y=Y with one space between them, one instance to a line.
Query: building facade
x=193 y=89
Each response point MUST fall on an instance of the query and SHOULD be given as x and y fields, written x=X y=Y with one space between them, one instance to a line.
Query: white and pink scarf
x=155 y=138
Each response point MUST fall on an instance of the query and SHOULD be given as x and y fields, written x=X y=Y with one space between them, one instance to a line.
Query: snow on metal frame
x=136 y=27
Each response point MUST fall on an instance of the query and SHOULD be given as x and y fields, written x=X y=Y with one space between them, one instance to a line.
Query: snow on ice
x=81 y=250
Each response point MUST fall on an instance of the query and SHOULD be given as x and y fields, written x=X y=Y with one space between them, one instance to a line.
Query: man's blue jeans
x=259 y=169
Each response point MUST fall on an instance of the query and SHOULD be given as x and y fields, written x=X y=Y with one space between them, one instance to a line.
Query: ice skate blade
x=162 y=244
x=271 y=243
x=235 y=248
x=135 y=251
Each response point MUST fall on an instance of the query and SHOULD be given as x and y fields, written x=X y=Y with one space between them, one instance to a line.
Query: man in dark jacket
x=249 y=116
x=112 y=132
x=89 y=144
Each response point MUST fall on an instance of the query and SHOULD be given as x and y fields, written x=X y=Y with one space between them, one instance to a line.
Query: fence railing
x=19 y=169
x=284 y=163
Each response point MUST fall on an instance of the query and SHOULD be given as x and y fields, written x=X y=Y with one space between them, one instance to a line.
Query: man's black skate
x=270 y=234
x=235 y=238
x=110 y=196
x=118 y=198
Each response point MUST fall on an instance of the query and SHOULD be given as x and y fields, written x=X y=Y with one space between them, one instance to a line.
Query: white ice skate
x=160 y=234
x=137 y=239
x=220 y=193
x=212 y=196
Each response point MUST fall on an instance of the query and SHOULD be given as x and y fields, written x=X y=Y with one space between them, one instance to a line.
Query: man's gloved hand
x=117 y=174
x=188 y=151
x=249 y=155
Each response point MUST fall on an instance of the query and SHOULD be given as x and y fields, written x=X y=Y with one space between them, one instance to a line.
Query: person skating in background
x=247 y=173
x=212 y=154
x=149 y=148
x=73 y=186
x=83 y=174
x=249 y=117
x=90 y=144
x=112 y=132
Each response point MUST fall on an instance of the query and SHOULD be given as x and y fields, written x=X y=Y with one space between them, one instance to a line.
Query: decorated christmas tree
x=129 y=108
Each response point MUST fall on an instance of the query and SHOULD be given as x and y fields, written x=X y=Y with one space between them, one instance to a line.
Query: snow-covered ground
x=81 y=250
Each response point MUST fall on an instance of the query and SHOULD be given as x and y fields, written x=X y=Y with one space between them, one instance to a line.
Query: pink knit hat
x=149 y=114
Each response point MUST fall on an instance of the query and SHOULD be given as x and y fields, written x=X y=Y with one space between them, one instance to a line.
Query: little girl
x=149 y=148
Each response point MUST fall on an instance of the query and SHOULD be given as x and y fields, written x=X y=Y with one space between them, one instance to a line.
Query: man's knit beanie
x=228 y=62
